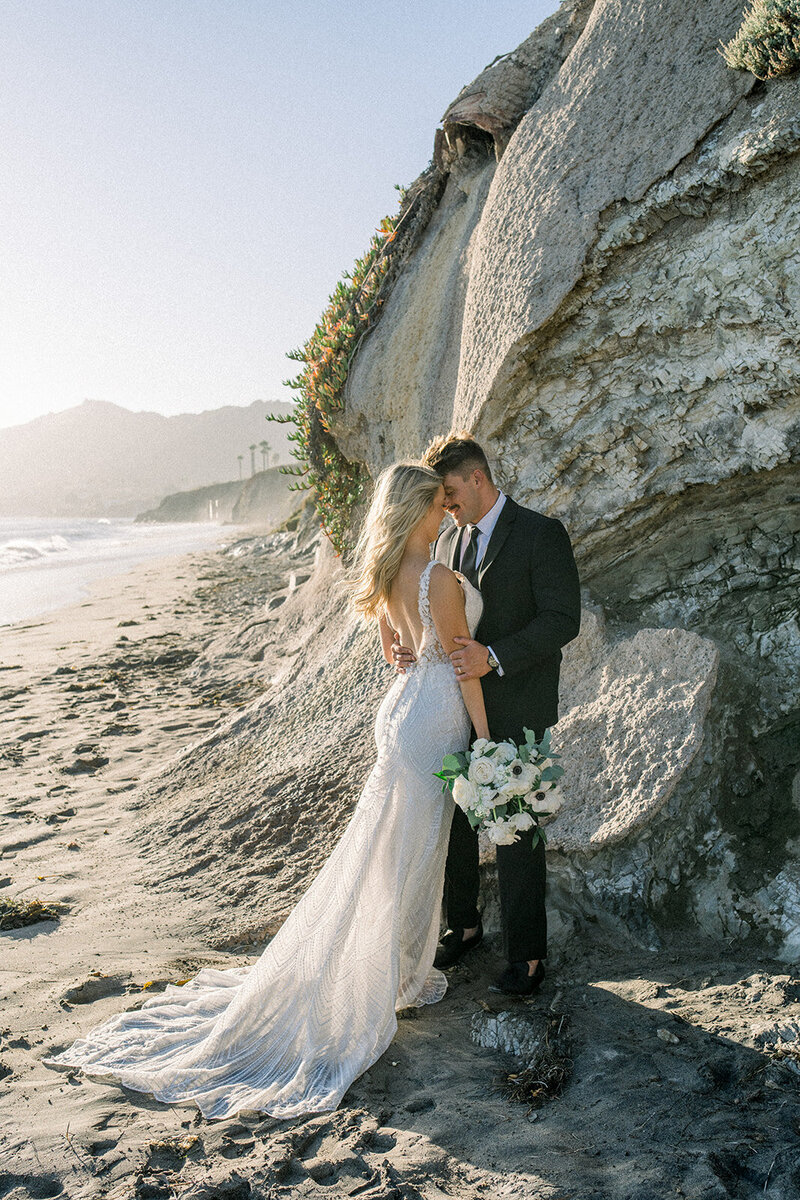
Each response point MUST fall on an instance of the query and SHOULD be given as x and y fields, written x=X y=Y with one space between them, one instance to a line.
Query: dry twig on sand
x=546 y=1075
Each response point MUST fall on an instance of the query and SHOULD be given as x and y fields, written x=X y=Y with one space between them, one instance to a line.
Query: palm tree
x=264 y=448
x=241 y=460
x=253 y=449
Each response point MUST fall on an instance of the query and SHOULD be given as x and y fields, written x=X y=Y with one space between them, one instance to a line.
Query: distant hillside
x=99 y=459
x=262 y=499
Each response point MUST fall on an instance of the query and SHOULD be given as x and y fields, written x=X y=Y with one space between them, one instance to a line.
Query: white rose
x=481 y=770
x=522 y=820
x=479 y=745
x=465 y=793
x=506 y=752
x=501 y=833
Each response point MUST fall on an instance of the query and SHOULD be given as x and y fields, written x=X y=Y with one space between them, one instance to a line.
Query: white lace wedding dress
x=289 y=1034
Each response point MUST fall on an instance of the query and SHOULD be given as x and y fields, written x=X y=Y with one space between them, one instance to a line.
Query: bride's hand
x=403 y=657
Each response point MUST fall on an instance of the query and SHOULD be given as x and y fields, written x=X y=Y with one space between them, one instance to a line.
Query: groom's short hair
x=456 y=452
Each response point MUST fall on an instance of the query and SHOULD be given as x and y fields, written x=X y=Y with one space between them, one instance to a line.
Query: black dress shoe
x=515 y=980
x=454 y=946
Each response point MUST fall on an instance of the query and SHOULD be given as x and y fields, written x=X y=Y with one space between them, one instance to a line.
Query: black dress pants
x=521 y=875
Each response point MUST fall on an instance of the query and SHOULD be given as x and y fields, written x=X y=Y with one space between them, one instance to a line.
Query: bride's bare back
x=402 y=609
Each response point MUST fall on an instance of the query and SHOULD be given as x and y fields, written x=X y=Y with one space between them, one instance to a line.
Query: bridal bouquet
x=504 y=788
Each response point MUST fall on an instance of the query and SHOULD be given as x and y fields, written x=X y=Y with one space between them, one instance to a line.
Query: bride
x=290 y=1033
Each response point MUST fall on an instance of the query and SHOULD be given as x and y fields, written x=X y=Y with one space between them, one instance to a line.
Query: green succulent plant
x=768 y=41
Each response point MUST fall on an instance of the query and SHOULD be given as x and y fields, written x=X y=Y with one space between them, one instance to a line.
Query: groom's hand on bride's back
x=403 y=657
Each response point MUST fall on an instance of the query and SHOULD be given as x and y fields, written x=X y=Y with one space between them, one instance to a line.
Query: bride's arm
x=447 y=609
x=387 y=637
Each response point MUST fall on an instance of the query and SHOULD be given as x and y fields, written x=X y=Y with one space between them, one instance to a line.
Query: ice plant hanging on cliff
x=352 y=310
x=768 y=41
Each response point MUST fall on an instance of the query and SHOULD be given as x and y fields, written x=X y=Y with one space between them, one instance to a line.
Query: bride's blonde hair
x=403 y=494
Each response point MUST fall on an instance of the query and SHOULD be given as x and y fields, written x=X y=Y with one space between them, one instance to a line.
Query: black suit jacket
x=531 y=608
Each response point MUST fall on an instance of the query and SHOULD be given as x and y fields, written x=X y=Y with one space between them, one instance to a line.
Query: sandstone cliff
x=608 y=294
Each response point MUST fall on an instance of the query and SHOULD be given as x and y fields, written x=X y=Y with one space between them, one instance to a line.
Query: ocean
x=47 y=562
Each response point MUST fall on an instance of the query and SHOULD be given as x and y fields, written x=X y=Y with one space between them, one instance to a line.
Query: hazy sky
x=184 y=181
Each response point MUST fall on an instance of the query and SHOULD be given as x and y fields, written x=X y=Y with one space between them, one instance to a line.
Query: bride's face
x=433 y=518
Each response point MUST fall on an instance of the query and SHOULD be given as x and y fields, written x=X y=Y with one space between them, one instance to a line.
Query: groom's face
x=464 y=497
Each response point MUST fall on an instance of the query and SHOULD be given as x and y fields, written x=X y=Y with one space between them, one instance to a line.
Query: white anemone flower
x=540 y=801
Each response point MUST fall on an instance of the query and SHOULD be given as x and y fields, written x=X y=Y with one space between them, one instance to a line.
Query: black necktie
x=469 y=562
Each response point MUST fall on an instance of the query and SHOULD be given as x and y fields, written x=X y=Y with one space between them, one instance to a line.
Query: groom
x=522 y=563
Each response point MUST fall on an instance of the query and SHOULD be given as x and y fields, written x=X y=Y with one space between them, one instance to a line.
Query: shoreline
x=50 y=584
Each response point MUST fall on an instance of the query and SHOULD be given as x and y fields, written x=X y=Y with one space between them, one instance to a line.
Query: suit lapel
x=499 y=534
x=447 y=548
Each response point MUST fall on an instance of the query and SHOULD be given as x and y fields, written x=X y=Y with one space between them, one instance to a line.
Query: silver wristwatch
x=492 y=661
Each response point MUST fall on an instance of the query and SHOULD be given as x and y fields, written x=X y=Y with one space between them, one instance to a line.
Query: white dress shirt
x=486 y=529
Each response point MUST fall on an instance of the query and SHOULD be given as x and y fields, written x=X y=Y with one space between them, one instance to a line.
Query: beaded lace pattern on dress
x=290 y=1033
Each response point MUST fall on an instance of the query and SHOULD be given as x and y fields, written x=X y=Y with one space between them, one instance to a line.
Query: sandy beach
x=666 y=1091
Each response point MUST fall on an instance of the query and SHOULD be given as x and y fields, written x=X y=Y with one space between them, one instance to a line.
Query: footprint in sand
x=170 y=1153
x=83 y=766
x=38 y=1187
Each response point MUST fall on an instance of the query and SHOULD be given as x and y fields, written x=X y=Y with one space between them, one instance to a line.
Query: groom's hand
x=403 y=657
x=471 y=660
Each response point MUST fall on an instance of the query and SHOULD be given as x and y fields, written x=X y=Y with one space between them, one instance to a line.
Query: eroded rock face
x=641 y=88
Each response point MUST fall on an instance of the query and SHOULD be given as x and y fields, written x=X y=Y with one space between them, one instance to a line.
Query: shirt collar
x=489 y=520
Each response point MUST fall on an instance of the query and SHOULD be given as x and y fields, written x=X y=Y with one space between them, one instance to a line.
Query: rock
x=505 y=248
x=633 y=721
x=262 y=499
x=520 y=1034
x=509 y=86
